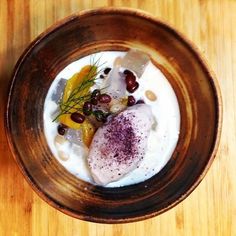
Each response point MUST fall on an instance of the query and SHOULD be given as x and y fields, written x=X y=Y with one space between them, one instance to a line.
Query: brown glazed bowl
x=113 y=29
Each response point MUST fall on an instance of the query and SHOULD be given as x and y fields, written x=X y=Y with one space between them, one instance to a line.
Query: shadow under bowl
x=113 y=29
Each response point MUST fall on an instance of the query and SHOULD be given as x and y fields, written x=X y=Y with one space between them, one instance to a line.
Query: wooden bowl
x=113 y=29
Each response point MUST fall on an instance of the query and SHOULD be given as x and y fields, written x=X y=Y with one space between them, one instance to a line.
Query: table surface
x=211 y=208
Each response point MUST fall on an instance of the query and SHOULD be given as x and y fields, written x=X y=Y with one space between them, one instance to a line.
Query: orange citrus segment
x=86 y=73
x=88 y=131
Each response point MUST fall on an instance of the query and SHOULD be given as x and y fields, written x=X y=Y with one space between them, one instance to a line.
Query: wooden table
x=211 y=208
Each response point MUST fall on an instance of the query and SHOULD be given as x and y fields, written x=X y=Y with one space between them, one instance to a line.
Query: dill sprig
x=75 y=102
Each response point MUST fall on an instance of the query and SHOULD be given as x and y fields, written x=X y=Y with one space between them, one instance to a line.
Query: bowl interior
x=101 y=30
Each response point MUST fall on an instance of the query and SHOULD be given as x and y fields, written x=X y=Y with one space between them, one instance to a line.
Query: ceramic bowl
x=113 y=29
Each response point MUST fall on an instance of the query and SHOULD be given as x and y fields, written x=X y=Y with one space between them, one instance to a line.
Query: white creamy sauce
x=161 y=142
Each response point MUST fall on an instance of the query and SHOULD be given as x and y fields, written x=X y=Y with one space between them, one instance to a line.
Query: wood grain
x=211 y=208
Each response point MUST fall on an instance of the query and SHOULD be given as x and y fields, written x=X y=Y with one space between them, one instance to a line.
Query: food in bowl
x=195 y=87
x=112 y=118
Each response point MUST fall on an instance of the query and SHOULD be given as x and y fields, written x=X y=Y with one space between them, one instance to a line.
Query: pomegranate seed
x=130 y=80
x=77 y=117
x=140 y=102
x=131 y=101
x=132 y=88
x=107 y=70
x=95 y=93
x=104 y=98
x=94 y=100
x=128 y=72
x=87 y=108
x=94 y=96
x=61 y=129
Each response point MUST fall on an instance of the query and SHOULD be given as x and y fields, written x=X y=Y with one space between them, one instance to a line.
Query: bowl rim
x=149 y=17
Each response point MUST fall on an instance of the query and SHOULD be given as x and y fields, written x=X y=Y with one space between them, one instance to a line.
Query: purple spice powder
x=122 y=140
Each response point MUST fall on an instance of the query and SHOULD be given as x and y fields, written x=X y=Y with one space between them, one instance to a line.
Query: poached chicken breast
x=119 y=146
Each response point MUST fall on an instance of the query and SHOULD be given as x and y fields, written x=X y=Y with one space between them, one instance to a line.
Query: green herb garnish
x=80 y=94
